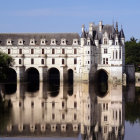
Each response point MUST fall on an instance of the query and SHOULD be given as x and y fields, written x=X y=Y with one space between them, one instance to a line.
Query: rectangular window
x=42 y=61
x=75 y=61
x=53 y=116
x=32 y=61
x=63 y=104
x=75 y=104
x=120 y=54
x=63 y=51
x=105 y=118
x=63 y=61
x=75 y=117
x=63 y=116
x=103 y=60
x=75 y=51
x=42 y=51
x=53 y=104
x=107 y=106
x=53 y=51
x=19 y=61
x=106 y=60
x=20 y=51
x=105 y=50
x=9 y=51
x=53 y=61
x=32 y=51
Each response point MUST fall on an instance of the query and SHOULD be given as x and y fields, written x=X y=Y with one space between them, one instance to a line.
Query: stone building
x=100 y=49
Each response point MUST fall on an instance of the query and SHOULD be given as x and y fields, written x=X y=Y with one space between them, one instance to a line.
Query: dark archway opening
x=11 y=75
x=32 y=77
x=53 y=82
x=70 y=82
x=101 y=83
x=70 y=76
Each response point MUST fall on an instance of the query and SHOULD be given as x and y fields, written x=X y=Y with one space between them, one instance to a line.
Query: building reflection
x=67 y=111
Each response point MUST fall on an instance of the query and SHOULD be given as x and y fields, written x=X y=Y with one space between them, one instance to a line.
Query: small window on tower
x=105 y=50
x=105 y=41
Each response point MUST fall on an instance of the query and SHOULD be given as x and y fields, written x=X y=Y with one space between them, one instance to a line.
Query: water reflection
x=67 y=110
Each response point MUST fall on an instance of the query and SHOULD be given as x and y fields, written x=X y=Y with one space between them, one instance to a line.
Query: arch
x=11 y=75
x=70 y=76
x=101 y=82
x=53 y=76
x=32 y=75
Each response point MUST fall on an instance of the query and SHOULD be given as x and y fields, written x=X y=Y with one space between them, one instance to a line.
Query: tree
x=6 y=61
x=132 y=53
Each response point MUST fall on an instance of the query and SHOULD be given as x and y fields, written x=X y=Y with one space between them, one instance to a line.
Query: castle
x=101 y=48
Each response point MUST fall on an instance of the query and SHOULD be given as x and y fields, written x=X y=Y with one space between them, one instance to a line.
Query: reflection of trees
x=132 y=109
x=5 y=110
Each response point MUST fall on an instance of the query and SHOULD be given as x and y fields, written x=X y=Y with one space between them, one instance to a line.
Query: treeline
x=132 y=53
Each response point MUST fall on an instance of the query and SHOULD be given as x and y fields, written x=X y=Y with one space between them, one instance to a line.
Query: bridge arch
x=101 y=82
x=70 y=76
x=32 y=75
x=53 y=76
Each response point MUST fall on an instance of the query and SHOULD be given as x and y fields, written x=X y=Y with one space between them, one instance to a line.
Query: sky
x=68 y=15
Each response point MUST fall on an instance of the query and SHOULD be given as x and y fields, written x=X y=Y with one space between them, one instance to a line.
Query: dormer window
x=63 y=41
x=43 y=42
x=53 y=41
x=20 y=42
x=9 y=42
x=32 y=41
x=105 y=41
x=75 y=41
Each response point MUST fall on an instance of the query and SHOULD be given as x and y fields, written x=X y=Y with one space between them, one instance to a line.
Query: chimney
x=100 y=26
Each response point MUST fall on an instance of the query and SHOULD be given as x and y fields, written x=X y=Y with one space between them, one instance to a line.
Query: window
x=63 y=116
x=103 y=106
x=105 y=41
x=106 y=60
x=75 y=116
x=42 y=51
x=19 y=61
x=9 y=51
x=53 y=51
x=103 y=60
x=105 y=129
x=53 y=61
x=105 y=118
x=32 y=104
x=20 y=51
x=116 y=54
x=106 y=106
x=32 y=51
x=75 y=51
x=116 y=43
x=113 y=54
x=53 y=116
x=88 y=43
x=63 y=104
x=120 y=54
x=88 y=52
x=75 y=104
x=42 y=61
x=63 y=51
x=32 y=61
x=105 y=50
x=75 y=61
x=53 y=104
x=63 y=61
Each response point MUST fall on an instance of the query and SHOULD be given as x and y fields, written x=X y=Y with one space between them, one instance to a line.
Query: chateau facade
x=100 y=48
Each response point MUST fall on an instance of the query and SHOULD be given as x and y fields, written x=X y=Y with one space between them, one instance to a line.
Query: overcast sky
x=68 y=15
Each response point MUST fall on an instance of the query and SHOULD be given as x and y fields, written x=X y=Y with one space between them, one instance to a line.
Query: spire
x=116 y=27
x=83 y=35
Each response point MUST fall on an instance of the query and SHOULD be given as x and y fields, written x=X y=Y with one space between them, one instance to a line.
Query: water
x=69 y=111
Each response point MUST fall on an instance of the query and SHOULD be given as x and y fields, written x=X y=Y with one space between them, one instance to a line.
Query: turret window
x=42 y=51
x=120 y=54
x=32 y=61
x=105 y=51
x=32 y=51
x=105 y=41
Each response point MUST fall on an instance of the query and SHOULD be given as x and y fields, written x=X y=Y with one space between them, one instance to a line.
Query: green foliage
x=5 y=62
x=132 y=53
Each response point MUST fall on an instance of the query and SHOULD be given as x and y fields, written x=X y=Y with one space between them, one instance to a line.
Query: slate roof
x=38 y=36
